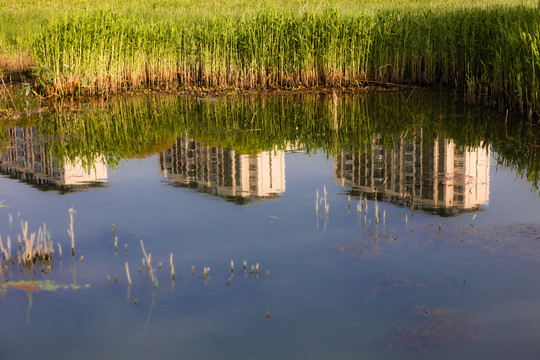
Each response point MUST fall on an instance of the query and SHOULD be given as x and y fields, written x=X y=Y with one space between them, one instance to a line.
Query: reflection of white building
x=27 y=159
x=434 y=176
x=76 y=173
x=224 y=172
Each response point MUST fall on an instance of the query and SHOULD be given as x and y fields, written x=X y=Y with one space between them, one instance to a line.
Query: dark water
x=447 y=267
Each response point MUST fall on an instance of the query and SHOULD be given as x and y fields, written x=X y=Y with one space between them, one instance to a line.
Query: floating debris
x=430 y=328
x=41 y=285
x=520 y=239
x=367 y=244
x=392 y=283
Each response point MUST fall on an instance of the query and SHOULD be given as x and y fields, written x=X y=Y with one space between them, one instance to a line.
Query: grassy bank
x=488 y=48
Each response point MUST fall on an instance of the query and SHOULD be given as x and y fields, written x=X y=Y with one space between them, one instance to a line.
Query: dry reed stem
x=70 y=231
x=148 y=261
x=172 y=266
x=127 y=273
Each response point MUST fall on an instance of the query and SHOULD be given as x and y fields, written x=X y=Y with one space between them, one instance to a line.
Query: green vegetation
x=489 y=48
x=37 y=285
x=138 y=127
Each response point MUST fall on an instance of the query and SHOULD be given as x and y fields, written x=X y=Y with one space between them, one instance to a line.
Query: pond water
x=372 y=226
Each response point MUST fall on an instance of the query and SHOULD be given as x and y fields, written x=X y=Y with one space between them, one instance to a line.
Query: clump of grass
x=263 y=50
x=206 y=272
x=35 y=250
x=491 y=52
x=60 y=83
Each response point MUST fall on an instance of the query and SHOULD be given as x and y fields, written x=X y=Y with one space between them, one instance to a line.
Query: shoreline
x=489 y=53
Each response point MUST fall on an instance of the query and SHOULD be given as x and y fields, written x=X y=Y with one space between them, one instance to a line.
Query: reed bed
x=489 y=48
x=110 y=52
x=492 y=52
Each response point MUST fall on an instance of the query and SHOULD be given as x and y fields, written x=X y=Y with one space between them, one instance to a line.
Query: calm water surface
x=387 y=226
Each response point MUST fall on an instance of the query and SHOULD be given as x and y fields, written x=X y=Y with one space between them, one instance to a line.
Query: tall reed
x=491 y=52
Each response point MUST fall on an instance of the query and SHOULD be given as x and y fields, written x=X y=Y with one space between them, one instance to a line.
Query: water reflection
x=434 y=175
x=234 y=148
x=224 y=172
x=27 y=158
x=435 y=275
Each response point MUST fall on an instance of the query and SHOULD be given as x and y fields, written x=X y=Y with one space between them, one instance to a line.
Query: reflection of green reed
x=512 y=151
x=4 y=135
x=121 y=131
x=139 y=127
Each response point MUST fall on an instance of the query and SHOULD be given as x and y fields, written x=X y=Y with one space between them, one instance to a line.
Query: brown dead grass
x=16 y=69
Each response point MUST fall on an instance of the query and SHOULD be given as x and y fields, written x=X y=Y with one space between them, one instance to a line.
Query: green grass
x=488 y=48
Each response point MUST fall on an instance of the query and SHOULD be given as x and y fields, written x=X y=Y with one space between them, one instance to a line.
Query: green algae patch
x=39 y=285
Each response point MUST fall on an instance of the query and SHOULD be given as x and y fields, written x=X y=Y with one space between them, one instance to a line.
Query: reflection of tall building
x=224 y=172
x=435 y=176
x=27 y=159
